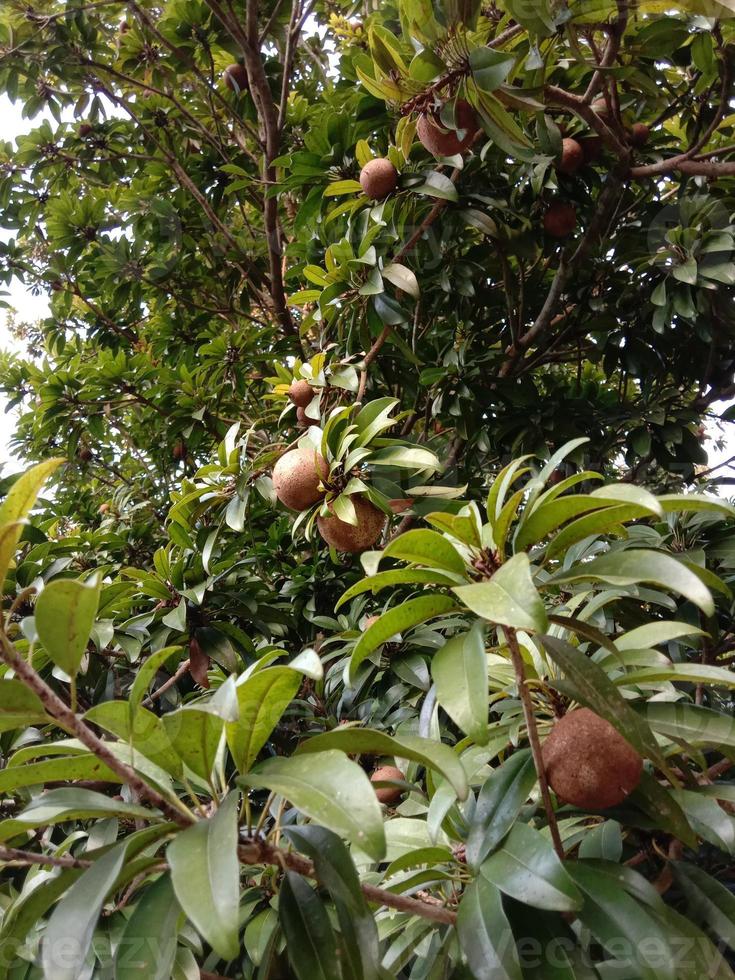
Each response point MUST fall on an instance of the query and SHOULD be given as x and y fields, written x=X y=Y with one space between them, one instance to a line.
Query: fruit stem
x=530 y=717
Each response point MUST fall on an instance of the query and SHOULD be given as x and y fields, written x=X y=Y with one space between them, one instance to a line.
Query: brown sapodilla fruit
x=560 y=219
x=571 y=158
x=303 y=420
x=591 y=147
x=600 y=107
x=387 y=794
x=353 y=537
x=588 y=762
x=378 y=178
x=301 y=393
x=85 y=129
x=236 y=77
x=179 y=450
x=296 y=477
x=639 y=134
x=443 y=143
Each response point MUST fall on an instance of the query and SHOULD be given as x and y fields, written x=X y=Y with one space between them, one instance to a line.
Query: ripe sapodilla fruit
x=639 y=134
x=301 y=393
x=296 y=477
x=353 y=537
x=572 y=157
x=443 y=143
x=303 y=420
x=378 y=178
x=85 y=129
x=560 y=220
x=588 y=762
x=387 y=794
x=600 y=107
x=236 y=77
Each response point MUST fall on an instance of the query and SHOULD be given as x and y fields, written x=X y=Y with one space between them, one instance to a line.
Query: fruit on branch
x=301 y=393
x=445 y=143
x=387 y=794
x=571 y=158
x=236 y=78
x=639 y=134
x=353 y=537
x=84 y=454
x=592 y=148
x=297 y=475
x=601 y=108
x=378 y=178
x=85 y=129
x=588 y=762
x=179 y=451
x=370 y=621
x=303 y=420
x=560 y=219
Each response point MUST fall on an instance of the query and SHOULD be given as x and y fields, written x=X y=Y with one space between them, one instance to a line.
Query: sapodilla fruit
x=445 y=144
x=297 y=475
x=236 y=77
x=591 y=147
x=387 y=794
x=639 y=134
x=571 y=158
x=560 y=219
x=301 y=393
x=303 y=420
x=378 y=178
x=600 y=107
x=353 y=537
x=588 y=762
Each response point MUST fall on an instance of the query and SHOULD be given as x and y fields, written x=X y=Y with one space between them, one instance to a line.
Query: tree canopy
x=366 y=605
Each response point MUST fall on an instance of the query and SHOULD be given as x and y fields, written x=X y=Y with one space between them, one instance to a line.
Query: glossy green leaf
x=205 y=874
x=261 y=699
x=490 y=68
x=148 y=945
x=509 y=598
x=709 y=902
x=499 y=802
x=659 y=803
x=195 y=735
x=426 y=548
x=396 y=576
x=368 y=741
x=19 y=706
x=527 y=868
x=65 y=614
x=310 y=941
x=459 y=672
x=330 y=789
x=17 y=506
x=690 y=723
x=485 y=936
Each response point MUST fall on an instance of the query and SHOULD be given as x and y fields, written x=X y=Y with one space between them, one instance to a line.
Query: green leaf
x=708 y=902
x=459 y=671
x=405 y=457
x=19 y=706
x=310 y=939
x=509 y=598
x=635 y=566
x=527 y=868
x=147 y=948
x=549 y=516
x=424 y=547
x=330 y=789
x=146 y=674
x=594 y=689
x=674 y=502
x=336 y=872
x=398 y=620
x=490 y=68
x=396 y=576
x=659 y=803
x=66 y=768
x=402 y=277
x=690 y=723
x=17 y=506
x=613 y=916
x=708 y=819
x=205 y=874
x=367 y=741
x=69 y=932
x=145 y=732
x=484 y=932
x=340 y=187
x=437 y=185
x=691 y=673
x=261 y=699
x=390 y=312
x=195 y=735
x=65 y=614
x=498 y=804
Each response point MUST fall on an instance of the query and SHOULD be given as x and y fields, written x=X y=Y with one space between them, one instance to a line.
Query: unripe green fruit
x=378 y=179
x=296 y=478
x=588 y=762
x=353 y=538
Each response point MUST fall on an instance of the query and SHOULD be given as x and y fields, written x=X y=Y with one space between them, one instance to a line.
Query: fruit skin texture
x=387 y=794
x=639 y=134
x=378 y=178
x=236 y=78
x=350 y=537
x=560 y=220
x=296 y=478
x=588 y=762
x=572 y=157
x=441 y=144
x=301 y=393
x=303 y=420
x=85 y=129
x=600 y=107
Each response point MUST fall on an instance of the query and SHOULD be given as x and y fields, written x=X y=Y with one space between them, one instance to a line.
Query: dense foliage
x=455 y=281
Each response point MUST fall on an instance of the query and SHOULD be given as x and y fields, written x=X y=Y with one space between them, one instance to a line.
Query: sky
x=30 y=308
